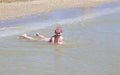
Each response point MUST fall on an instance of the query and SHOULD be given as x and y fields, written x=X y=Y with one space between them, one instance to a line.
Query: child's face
x=58 y=31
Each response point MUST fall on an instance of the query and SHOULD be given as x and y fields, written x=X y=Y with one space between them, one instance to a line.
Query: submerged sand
x=18 y=9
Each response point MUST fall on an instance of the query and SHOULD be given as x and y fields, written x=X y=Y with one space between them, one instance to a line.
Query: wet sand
x=19 y=9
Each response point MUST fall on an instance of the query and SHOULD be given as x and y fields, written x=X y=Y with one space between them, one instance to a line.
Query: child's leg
x=40 y=36
x=43 y=38
x=27 y=37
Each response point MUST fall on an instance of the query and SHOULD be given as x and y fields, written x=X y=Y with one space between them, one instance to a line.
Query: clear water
x=92 y=44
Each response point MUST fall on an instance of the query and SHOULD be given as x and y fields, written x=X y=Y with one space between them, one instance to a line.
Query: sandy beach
x=18 y=9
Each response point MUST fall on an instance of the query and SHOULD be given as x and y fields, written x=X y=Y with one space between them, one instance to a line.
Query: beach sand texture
x=10 y=9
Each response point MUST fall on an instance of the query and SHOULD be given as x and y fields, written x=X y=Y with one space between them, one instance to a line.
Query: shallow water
x=91 y=48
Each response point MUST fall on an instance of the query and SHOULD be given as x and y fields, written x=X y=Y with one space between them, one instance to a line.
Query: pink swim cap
x=58 y=30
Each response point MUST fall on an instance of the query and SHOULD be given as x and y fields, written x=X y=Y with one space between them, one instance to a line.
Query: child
x=56 y=39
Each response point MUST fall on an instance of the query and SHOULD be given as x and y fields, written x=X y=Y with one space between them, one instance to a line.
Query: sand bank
x=18 y=9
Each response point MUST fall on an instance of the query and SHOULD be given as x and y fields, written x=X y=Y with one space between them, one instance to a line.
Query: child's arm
x=61 y=40
x=52 y=40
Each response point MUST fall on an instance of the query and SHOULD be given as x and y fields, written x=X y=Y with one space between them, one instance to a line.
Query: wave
x=9 y=31
x=94 y=15
x=40 y=21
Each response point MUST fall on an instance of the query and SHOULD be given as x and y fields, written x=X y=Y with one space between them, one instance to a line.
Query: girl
x=56 y=39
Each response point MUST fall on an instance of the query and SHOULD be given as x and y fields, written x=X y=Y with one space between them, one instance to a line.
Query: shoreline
x=19 y=9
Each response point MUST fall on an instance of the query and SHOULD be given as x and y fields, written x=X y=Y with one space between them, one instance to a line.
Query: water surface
x=92 y=44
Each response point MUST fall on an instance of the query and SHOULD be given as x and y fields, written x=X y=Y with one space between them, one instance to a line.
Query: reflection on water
x=92 y=47
x=58 y=60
